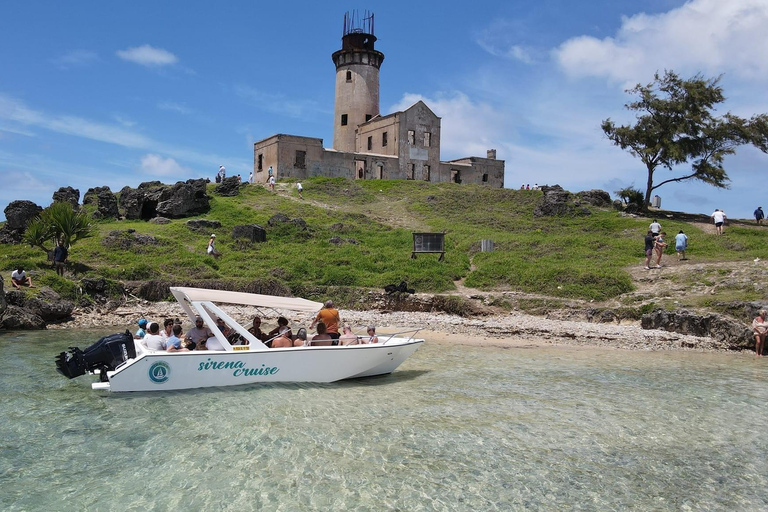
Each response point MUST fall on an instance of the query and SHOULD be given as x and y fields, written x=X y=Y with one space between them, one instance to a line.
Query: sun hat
x=142 y=323
x=213 y=236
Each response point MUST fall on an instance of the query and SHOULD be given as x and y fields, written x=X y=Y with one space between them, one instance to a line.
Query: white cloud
x=277 y=102
x=708 y=36
x=501 y=39
x=159 y=166
x=149 y=56
x=174 y=107
x=76 y=58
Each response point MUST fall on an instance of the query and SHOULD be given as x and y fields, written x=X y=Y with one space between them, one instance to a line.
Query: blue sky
x=115 y=93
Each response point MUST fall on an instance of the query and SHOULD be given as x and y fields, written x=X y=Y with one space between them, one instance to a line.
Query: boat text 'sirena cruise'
x=125 y=365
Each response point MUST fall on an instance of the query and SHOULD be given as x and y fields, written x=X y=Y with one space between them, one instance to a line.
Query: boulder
x=3 y=303
x=228 y=187
x=68 y=195
x=595 y=197
x=300 y=223
x=16 y=297
x=49 y=306
x=160 y=220
x=15 y=317
x=557 y=202
x=128 y=240
x=105 y=201
x=100 y=286
x=19 y=213
x=278 y=218
x=731 y=333
x=203 y=225
x=252 y=232
x=184 y=200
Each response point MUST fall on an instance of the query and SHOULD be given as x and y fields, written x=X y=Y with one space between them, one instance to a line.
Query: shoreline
x=513 y=329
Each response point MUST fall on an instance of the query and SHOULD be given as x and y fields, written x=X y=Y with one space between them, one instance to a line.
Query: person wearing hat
x=212 y=247
x=142 y=329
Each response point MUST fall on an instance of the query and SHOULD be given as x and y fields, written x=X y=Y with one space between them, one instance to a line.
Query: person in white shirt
x=20 y=278
x=153 y=340
x=655 y=227
x=719 y=217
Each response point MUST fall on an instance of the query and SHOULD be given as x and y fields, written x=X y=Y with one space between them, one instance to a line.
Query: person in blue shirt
x=759 y=215
x=174 y=342
x=681 y=244
x=142 y=329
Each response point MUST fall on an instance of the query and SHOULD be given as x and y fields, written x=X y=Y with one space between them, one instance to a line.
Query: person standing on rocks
x=759 y=215
x=760 y=328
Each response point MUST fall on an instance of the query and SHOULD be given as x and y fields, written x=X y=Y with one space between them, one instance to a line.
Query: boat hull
x=164 y=371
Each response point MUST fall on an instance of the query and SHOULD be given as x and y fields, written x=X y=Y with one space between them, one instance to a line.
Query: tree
x=676 y=125
x=58 y=222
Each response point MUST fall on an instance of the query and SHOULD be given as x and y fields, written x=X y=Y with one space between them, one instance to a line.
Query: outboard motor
x=105 y=355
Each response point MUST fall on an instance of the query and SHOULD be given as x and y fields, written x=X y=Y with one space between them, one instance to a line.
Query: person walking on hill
x=759 y=215
x=299 y=188
x=650 y=240
x=655 y=227
x=681 y=244
x=719 y=217
x=211 y=251
x=659 y=246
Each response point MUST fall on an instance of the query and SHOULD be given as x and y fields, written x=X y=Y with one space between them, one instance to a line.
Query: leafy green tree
x=676 y=125
x=631 y=195
x=58 y=222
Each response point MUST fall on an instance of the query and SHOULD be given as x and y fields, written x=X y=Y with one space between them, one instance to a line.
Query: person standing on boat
x=330 y=317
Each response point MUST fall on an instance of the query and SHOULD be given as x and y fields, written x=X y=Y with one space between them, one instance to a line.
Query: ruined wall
x=475 y=170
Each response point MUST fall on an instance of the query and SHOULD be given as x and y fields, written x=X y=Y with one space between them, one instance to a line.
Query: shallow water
x=455 y=428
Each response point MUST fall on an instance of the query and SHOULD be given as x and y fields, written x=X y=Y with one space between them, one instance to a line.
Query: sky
x=97 y=93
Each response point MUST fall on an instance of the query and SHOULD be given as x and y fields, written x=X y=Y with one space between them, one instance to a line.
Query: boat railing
x=397 y=334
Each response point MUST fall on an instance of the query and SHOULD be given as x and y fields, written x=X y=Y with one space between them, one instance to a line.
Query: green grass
x=561 y=257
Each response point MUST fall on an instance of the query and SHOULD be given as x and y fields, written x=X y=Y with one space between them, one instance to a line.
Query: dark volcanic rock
x=49 y=306
x=558 y=203
x=160 y=220
x=15 y=317
x=252 y=232
x=68 y=195
x=185 y=199
x=737 y=335
x=203 y=225
x=19 y=213
x=595 y=197
x=128 y=239
x=3 y=303
x=228 y=187
x=16 y=297
x=278 y=218
x=105 y=201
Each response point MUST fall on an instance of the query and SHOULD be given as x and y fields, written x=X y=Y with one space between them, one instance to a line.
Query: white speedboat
x=127 y=365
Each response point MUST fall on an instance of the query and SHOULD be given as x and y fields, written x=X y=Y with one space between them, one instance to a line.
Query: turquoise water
x=455 y=428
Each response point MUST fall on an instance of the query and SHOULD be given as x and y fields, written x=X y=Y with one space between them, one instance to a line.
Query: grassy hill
x=359 y=234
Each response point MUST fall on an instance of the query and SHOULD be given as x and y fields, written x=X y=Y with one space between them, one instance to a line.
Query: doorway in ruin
x=359 y=169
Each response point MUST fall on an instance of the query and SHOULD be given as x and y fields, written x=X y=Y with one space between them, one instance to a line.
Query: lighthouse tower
x=357 y=80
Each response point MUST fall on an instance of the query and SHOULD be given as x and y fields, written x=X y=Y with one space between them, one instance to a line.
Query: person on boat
x=142 y=331
x=760 y=328
x=256 y=329
x=174 y=341
x=322 y=338
x=330 y=317
x=20 y=278
x=223 y=327
x=301 y=338
x=282 y=323
x=372 y=338
x=198 y=334
x=167 y=331
x=284 y=340
x=153 y=340
x=348 y=338
x=212 y=343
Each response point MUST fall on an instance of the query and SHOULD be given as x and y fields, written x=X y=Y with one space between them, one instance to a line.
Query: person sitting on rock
x=20 y=278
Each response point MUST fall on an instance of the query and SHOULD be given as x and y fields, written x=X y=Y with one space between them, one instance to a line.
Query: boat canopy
x=248 y=299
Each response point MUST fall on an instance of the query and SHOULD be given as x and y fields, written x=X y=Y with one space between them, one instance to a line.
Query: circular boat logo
x=159 y=372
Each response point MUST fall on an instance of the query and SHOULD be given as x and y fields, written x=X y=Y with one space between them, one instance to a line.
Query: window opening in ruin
x=380 y=172
x=370 y=143
x=343 y=119
x=301 y=160
x=427 y=139
x=485 y=178
x=368 y=117
x=455 y=176
x=261 y=162
x=384 y=139
x=426 y=173
x=411 y=137
x=411 y=171
x=349 y=76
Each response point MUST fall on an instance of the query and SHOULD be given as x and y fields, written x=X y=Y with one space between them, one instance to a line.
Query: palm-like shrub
x=58 y=222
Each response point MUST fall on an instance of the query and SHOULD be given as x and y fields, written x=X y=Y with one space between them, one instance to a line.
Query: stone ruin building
x=367 y=145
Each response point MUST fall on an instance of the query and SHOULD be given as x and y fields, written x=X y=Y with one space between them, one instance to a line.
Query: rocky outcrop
x=732 y=333
x=28 y=311
x=278 y=218
x=105 y=202
x=595 y=197
x=558 y=203
x=203 y=225
x=153 y=198
x=17 y=215
x=68 y=195
x=3 y=303
x=252 y=232
x=128 y=239
x=229 y=187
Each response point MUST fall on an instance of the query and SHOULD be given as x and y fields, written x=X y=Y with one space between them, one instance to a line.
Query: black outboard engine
x=105 y=355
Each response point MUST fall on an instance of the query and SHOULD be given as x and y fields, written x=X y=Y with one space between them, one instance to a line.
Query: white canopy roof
x=248 y=299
